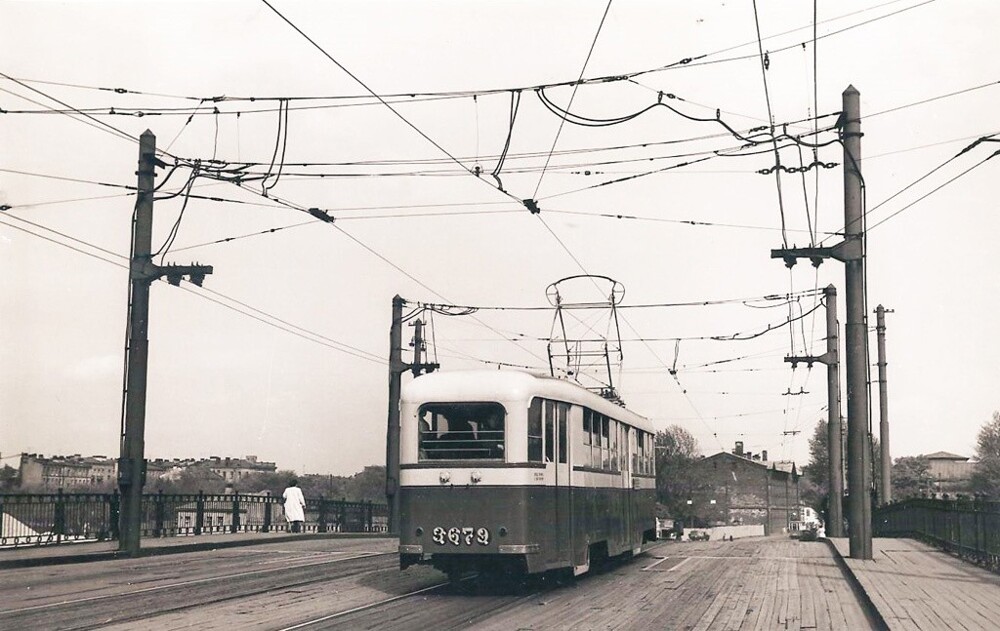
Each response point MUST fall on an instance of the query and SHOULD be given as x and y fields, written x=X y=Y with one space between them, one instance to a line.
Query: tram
x=510 y=472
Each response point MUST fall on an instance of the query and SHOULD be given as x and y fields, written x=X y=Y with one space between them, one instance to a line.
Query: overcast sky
x=294 y=370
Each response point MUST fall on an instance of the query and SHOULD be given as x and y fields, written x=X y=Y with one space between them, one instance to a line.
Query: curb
x=112 y=555
x=866 y=601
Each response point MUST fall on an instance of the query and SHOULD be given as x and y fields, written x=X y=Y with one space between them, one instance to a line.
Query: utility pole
x=396 y=369
x=851 y=252
x=834 y=436
x=142 y=273
x=885 y=481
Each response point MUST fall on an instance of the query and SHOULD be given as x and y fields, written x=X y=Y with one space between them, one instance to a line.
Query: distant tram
x=504 y=471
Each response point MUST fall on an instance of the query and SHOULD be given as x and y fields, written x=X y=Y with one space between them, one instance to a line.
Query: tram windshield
x=461 y=431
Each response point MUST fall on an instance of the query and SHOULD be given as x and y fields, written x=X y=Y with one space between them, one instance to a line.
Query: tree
x=676 y=451
x=817 y=472
x=190 y=480
x=911 y=477
x=986 y=474
x=368 y=484
x=274 y=482
x=9 y=478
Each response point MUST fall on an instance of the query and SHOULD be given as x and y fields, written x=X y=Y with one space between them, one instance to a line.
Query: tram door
x=630 y=463
x=557 y=451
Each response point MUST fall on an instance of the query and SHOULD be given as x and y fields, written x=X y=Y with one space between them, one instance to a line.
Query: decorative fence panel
x=51 y=518
x=969 y=528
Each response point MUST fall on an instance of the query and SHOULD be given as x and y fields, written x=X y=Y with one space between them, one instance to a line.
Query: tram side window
x=613 y=450
x=588 y=422
x=605 y=443
x=535 y=431
x=639 y=457
x=461 y=431
x=550 y=438
x=563 y=412
x=650 y=454
x=595 y=450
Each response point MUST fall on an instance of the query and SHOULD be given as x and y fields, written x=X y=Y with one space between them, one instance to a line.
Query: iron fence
x=52 y=518
x=969 y=528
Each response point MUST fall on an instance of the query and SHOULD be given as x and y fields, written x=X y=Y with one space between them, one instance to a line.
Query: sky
x=283 y=352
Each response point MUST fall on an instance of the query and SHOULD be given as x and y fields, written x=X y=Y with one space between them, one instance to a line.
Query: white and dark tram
x=504 y=471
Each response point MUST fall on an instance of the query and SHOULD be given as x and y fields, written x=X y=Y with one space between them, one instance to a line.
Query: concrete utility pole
x=834 y=436
x=396 y=369
x=885 y=481
x=856 y=334
x=834 y=431
x=142 y=272
x=851 y=252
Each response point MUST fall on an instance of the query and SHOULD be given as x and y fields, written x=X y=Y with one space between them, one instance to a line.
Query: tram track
x=443 y=605
x=98 y=611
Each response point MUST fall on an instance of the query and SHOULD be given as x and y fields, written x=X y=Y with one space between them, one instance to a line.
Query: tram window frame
x=534 y=429
x=587 y=422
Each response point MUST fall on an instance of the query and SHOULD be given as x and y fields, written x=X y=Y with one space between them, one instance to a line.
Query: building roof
x=945 y=455
x=785 y=466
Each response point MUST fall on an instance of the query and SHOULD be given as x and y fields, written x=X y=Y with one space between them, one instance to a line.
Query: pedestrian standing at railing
x=295 y=505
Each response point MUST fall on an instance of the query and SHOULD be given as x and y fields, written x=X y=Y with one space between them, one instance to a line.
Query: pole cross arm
x=847 y=250
x=828 y=358
x=145 y=269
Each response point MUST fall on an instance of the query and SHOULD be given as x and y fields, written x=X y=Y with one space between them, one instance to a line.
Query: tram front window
x=461 y=431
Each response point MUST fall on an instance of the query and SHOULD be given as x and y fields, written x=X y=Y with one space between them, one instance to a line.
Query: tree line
x=677 y=450
x=911 y=475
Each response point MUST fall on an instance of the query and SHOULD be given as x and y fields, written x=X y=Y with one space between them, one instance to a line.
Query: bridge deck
x=915 y=586
x=278 y=583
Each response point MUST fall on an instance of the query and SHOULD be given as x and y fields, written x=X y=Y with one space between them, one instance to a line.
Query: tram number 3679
x=458 y=536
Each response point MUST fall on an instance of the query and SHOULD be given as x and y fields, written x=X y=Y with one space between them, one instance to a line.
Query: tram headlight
x=445 y=477
x=476 y=477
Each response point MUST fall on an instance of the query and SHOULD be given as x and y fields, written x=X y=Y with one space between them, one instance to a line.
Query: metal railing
x=968 y=528
x=51 y=518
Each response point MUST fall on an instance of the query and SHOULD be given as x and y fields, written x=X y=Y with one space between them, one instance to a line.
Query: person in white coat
x=295 y=505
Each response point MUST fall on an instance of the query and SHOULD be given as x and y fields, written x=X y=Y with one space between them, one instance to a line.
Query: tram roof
x=504 y=385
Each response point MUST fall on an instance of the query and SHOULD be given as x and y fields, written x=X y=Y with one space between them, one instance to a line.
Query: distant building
x=746 y=489
x=951 y=472
x=67 y=472
x=235 y=469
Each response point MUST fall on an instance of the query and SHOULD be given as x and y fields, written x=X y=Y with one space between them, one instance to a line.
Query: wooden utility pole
x=885 y=479
x=851 y=252
x=396 y=369
x=142 y=273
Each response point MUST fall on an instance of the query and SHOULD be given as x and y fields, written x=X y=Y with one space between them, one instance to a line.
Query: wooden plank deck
x=916 y=587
